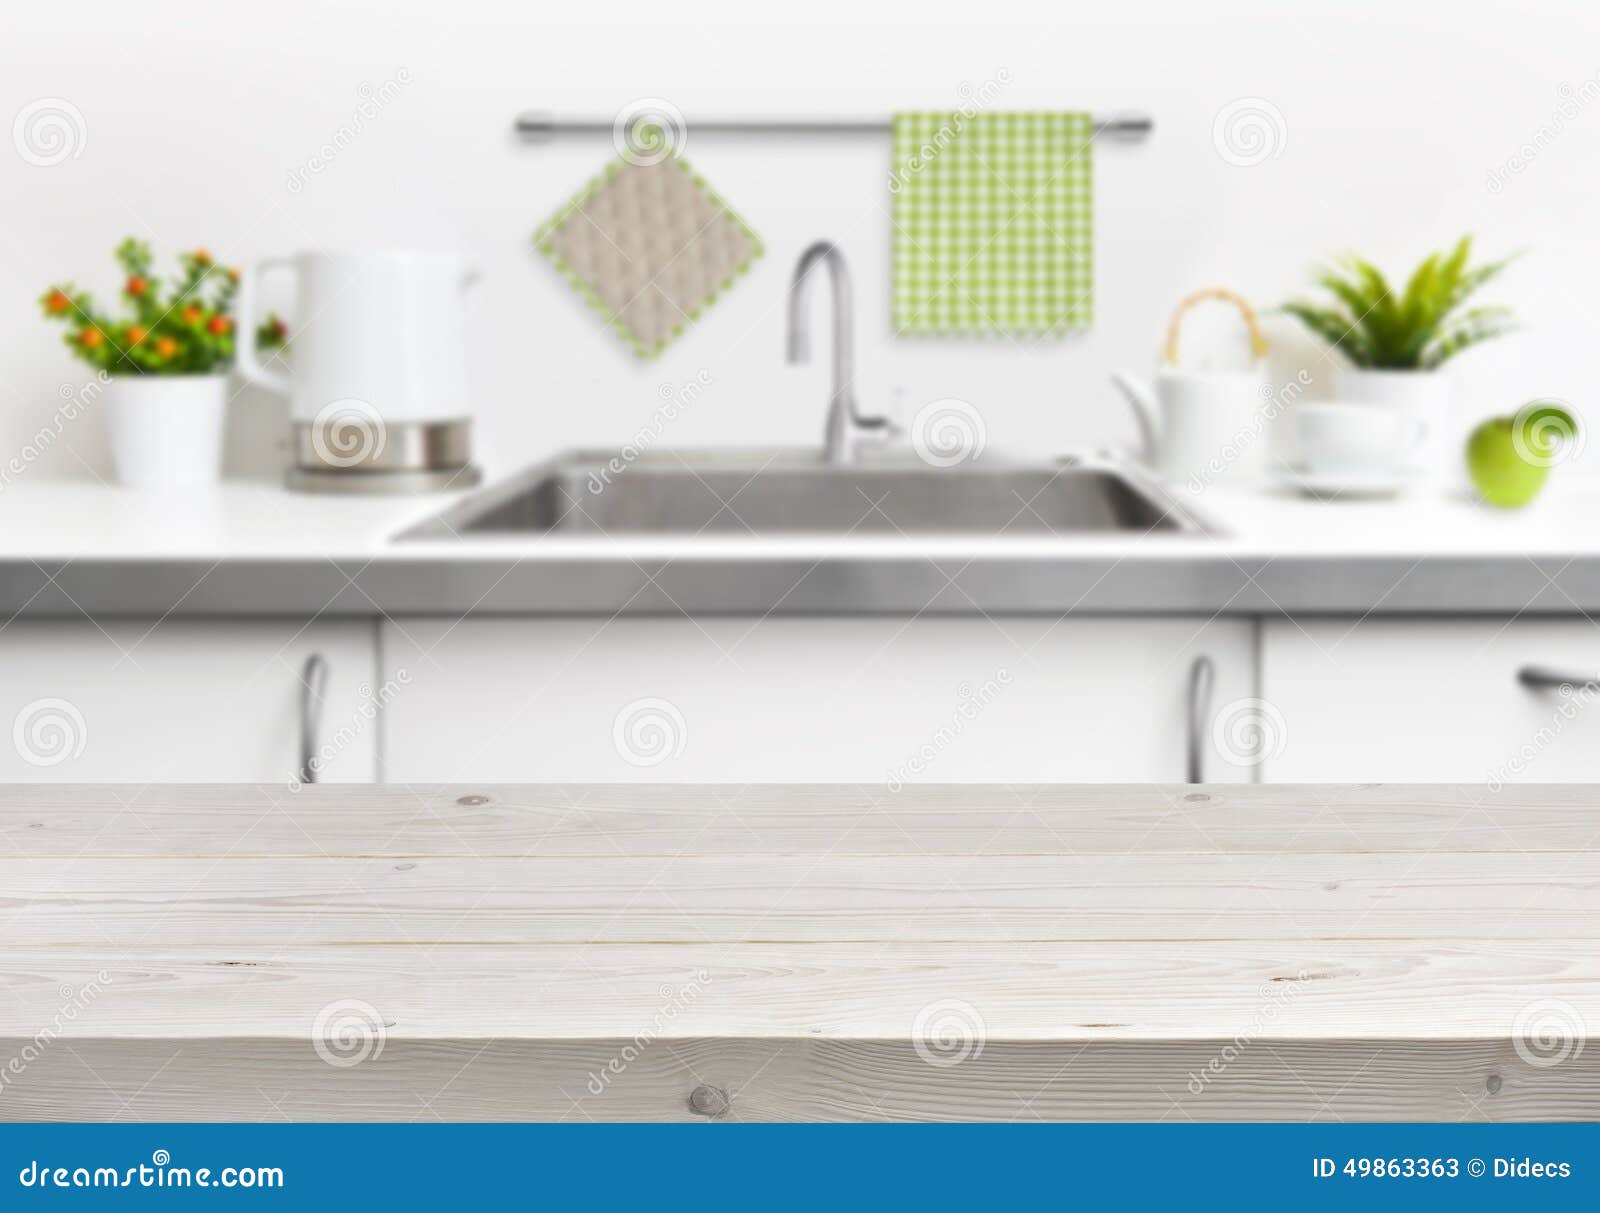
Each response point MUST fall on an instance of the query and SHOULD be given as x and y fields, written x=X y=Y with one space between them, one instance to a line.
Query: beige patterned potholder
x=650 y=246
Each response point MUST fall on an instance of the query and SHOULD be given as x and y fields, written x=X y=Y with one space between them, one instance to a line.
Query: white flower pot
x=166 y=430
x=1427 y=396
x=1424 y=391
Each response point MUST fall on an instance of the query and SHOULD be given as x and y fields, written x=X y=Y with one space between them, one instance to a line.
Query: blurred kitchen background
x=999 y=622
x=1388 y=129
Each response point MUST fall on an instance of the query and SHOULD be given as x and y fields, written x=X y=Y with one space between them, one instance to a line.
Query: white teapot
x=1197 y=426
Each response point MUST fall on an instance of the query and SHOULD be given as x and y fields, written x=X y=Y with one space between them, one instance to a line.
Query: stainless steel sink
x=794 y=492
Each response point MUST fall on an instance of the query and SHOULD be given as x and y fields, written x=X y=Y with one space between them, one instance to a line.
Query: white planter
x=1424 y=391
x=166 y=430
x=1427 y=396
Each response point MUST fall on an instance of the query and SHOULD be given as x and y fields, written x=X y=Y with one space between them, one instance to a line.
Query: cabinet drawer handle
x=313 y=691
x=1543 y=678
x=1202 y=678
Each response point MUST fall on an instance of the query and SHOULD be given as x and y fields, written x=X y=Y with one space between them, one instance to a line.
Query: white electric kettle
x=379 y=397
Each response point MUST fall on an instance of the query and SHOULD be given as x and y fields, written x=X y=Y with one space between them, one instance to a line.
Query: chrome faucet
x=846 y=426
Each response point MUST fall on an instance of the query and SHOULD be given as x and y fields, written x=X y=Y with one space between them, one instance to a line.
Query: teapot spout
x=1143 y=402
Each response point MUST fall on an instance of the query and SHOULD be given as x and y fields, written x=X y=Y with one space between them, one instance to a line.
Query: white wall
x=1395 y=115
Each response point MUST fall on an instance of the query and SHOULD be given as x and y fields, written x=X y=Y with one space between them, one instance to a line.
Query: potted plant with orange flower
x=164 y=363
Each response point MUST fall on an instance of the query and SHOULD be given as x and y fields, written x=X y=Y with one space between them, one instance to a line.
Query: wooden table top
x=547 y=953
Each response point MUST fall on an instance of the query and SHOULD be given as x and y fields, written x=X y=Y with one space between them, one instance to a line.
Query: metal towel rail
x=538 y=126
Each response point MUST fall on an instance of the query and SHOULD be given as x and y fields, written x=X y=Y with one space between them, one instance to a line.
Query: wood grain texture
x=816 y=952
x=1095 y=991
x=799 y=899
x=766 y=1080
x=483 y=821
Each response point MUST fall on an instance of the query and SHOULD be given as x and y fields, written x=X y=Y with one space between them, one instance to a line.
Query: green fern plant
x=1416 y=329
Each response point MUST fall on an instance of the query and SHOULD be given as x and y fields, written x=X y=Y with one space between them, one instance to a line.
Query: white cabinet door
x=182 y=701
x=1435 y=700
x=887 y=700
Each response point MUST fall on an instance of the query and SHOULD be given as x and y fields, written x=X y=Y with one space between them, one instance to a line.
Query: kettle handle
x=245 y=358
x=1145 y=412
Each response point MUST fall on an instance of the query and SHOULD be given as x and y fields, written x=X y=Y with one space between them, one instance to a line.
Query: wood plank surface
x=767 y=1080
x=1106 y=990
x=800 y=899
x=509 y=821
x=802 y=953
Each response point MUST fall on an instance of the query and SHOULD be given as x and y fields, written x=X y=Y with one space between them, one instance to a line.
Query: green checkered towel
x=993 y=223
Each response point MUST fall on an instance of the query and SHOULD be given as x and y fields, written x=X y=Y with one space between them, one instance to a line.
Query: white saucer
x=1327 y=486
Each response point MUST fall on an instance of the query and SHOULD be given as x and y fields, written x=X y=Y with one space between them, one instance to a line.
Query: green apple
x=1509 y=458
x=1502 y=476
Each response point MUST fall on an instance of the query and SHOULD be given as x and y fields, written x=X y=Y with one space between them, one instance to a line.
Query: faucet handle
x=888 y=427
x=876 y=432
x=882 y=425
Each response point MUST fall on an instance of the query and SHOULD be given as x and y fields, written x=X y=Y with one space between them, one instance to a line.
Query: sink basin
x=783 y=493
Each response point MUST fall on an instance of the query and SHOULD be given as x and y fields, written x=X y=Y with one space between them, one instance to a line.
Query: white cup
x=1341 y=438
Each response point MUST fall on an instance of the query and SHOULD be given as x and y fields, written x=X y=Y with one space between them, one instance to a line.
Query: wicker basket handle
x=1258 y=343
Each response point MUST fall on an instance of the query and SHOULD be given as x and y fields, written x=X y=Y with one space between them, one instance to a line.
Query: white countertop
x=57 y=520
x=73 y=548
